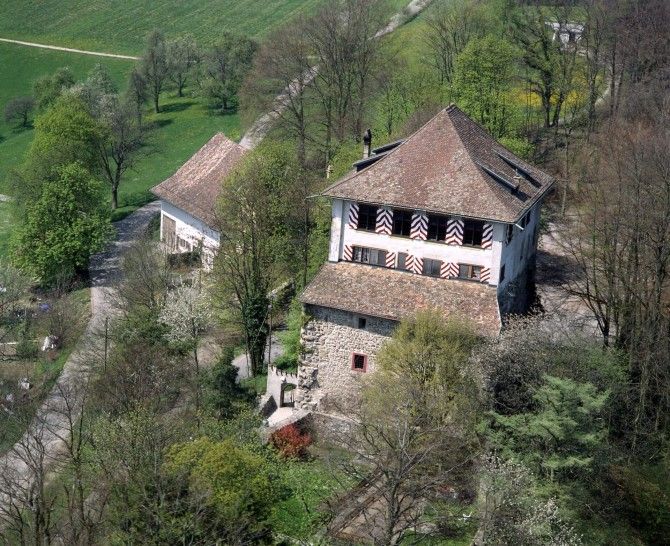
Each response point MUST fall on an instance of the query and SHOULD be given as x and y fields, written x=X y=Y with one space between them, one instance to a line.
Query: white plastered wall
x=192 y=231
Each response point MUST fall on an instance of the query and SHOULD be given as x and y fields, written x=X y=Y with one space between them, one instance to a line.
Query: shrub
x=291 y=442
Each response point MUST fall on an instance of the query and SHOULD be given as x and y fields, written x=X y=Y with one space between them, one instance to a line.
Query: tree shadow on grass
x=158 y=123
x=177 y=106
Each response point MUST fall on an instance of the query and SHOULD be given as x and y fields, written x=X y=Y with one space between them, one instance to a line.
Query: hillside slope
x=119 y=26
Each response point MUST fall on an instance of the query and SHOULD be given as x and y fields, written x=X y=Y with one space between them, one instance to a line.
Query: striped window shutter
x=414 y=264
x=348 y=253
x=448 y=270
x=384 y=221
x=485 y=274
x=454 y=231
x=353 y=215
x=487 y=236
x=419 y=226
x=391 y=259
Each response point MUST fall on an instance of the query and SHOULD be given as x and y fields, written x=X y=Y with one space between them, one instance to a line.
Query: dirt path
x=49 y=430
x=69 y=49
x=261 y=127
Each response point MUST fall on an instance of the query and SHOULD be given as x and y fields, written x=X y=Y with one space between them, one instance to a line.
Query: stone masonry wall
x=326 y=380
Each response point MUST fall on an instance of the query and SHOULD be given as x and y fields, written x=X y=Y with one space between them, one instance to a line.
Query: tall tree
x=449 y=28
x=121 y=138
x=282 y=67
x=183 y=56
x=65 y=225
x=482 y=81
x=413 y=430
x=225 y=66
x=137 y=92
x=48 y=88
x=261 y=223
x=154 y=66
x=64 y=134
x=19 y=109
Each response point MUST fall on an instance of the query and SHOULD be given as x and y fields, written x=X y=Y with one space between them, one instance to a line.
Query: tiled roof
x=196 y=186
x=393 y=294
x=450 y=166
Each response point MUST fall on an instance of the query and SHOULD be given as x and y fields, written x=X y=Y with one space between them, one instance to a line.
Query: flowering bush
x=291 y=442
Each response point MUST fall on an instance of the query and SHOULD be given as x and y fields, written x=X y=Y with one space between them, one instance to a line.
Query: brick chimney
x=367 y=143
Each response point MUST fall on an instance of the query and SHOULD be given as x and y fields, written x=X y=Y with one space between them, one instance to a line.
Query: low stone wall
x=326 y=379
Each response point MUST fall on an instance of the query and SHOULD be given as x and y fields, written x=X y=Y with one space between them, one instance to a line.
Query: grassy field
x=180 y=129
x=120 y=26
x=20 y=66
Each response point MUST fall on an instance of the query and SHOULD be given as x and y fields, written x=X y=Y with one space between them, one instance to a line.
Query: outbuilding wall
x=191 y=232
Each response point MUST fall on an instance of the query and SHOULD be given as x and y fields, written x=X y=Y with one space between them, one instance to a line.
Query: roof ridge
x=353 y=175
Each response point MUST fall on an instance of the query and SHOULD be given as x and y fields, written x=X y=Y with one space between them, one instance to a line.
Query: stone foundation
x=326 y=380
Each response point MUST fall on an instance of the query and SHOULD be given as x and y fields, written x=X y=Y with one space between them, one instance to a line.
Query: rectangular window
x=402 y=261
x=502 y=273
x=437 y=227
x=471 y=272
x=525 y=220
x=472 y=232
x=367 y=217
x=402 y=222
x=372 y=256
x=359 y=362
x=362 y=323
x=431 y=268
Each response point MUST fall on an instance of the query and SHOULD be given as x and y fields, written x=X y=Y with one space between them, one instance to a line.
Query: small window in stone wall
x=359 y=362
x=362 y=323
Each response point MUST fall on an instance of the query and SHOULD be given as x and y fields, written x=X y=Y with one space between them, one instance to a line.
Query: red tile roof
x=393 y=294
x=453 y=166
x=196 y=186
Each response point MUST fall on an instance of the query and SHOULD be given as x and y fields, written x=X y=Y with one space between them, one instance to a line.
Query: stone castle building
x=446 y=219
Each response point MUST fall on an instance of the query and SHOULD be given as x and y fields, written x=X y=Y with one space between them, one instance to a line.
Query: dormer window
x=437 y=227
x=367 y=217
x=402 y=222
x=472 y=232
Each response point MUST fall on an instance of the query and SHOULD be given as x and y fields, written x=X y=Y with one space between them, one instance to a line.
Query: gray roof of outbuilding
x=451 y=165
x=394 y=295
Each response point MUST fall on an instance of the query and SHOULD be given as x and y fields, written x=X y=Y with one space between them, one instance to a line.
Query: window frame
x=440 y=229
x=369 y=212
x=362 y=249
x=471 y=269
x=364 y=369
x=433 y=263
x=467 y=227
x=404 y=222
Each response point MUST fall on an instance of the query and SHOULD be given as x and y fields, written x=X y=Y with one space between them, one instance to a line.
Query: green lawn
x=120 y=26
x=20 y=66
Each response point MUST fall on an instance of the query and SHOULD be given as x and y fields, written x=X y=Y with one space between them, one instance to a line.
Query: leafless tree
x=19 y=109
x=183 y=56
x=282 y=67
x=449 y=28
x=154 y=66
x=621 y=241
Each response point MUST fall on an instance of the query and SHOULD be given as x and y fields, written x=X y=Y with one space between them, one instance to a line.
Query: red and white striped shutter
x=454 y=231
x=452 y=270
x=384 y=221
x=348 y=253
x=391 y=259
x=414 y=264
x=485 y=274
x=419 y=226
x=353 y=215
x=487 y=236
